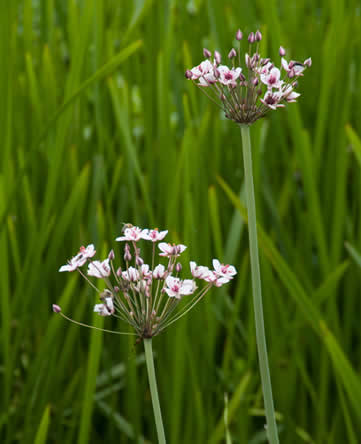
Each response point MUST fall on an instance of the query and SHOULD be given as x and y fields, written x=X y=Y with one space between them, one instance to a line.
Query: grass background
x=98 y=126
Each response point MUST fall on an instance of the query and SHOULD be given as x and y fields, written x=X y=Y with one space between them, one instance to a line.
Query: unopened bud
x=139 y=261
x=251 y=37
x=188 y=74
x=239 y=35
x=291 y=73
x=111 y=255
x=282 y=51
x=178 y=267
x=56 y=308
x=217 y=57
x=308 y=62
x=206 y=53
x=258 y=36
x=232 y=53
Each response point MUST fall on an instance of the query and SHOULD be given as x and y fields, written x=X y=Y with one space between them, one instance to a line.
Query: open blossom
x=79 y=260
x=131 y=234
x=222 y=270
x=146 y=298
x=178 y=288
x=99 y=269
x=169 y=250
x=247 y=100
x=154 y=235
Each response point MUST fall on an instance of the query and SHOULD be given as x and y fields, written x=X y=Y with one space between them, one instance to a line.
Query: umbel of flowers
x=247 y=93
x=147 y=297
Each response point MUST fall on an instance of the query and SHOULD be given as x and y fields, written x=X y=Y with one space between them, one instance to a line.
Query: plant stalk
x=256 y=288
x=154 y=390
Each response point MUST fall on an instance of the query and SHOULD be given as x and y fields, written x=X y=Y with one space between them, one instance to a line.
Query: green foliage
x=98 y=126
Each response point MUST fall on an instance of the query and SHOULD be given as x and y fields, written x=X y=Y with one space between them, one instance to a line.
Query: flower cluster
x=145 y=297
x=246 y=98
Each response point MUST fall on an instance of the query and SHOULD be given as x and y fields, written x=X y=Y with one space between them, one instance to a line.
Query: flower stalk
x=154 y=390
x=257 y=289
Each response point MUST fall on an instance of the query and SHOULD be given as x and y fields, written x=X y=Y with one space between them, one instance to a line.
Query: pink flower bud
x=239 y=35
x=308 y=62
x=258 y=36
x=56 y=308
x=139 y=261
x=188 y=74
x=217 y=57
x=206 y=53
x=251 y=37
x=232 y=53
x=282 y=51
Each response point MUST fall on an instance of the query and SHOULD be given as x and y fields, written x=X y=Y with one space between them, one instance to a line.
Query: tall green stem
x=256 y=288
x=154 y=390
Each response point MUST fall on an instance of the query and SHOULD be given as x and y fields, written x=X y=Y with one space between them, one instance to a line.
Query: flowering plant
x=246 y=98
x=144 y=297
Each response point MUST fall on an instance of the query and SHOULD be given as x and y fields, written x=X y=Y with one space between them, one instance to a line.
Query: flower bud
x=251 y=37
x=56 y=308
x=206 y=53
x=188 y=74
x=239 y=35
x=282 y=51
x=139 y=261
x=217 y=57
x=258 y=36
x=232 y=53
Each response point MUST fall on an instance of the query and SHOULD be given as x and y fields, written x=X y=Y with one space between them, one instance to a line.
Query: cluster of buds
x=247 y=95
x=146 y=297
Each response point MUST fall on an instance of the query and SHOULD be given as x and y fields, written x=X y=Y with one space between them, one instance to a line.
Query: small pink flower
x=272 y=78
x=131 y=274
x=177 y=288
x=99 y=269
x=272 y=99
x=169 y=250
x=105 y=309
x=215 y=279
x=154 y=235
x=159 y=272
x=228 y=76
x=132 y=234
x=79 y=260
x=198 y=271
x=222 y=270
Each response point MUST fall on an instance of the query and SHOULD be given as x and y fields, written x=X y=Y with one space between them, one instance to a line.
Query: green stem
x=256 y=289
x=154 y=390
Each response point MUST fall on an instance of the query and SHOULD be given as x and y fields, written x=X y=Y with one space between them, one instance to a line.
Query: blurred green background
x=98 y=126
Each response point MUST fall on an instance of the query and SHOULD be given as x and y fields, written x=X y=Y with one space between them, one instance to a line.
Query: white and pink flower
x=132 y=234
x=199 y=271
x=105 y=309
x=99 y=269
x=159 y=272
x=228 y=76
x=222 y=270
x=177 y=288
x=169 y=250
x=131 y=274
x=272 y=78
x=79 y=260
x=154 y=235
